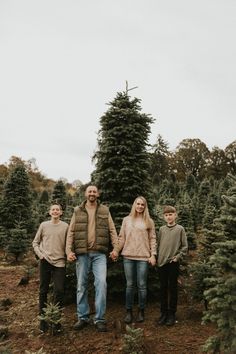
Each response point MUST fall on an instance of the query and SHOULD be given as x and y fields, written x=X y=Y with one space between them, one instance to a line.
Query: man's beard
x=92 y=199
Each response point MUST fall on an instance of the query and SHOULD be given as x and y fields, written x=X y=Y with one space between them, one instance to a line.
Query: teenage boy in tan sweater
x=172 y=246
x=49 y=245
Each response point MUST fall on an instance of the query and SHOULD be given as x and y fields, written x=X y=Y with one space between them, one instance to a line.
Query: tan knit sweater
x=135 y=240
x=50 y=242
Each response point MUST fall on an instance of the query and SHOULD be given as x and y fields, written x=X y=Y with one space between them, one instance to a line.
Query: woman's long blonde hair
x=146 y=216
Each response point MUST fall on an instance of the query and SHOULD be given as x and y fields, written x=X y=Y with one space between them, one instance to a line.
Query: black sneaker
x=80 y=325
x=57 y=328
x=101 y=326
x=162 y=320
x=43 y=326
x=170 y=320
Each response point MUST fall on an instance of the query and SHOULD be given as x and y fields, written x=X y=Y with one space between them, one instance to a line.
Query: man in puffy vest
x=91 y=228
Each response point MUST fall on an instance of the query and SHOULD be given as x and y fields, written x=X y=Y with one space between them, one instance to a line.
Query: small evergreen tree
x=52 y=315
x=185 y=218
x=133 y=341
x=159 y=166
x=18 y=242
x=3 y=237
x=42 y=206
x=191 y=185
x=204 y=191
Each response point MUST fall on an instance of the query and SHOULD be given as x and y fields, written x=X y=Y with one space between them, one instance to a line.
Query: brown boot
x=129 y=316
x=140 y=317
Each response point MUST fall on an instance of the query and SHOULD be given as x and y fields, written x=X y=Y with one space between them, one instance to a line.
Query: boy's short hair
x=169 y=209
x=55 y=203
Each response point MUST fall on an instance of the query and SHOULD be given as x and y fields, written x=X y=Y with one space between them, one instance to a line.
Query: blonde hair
x=146 y=216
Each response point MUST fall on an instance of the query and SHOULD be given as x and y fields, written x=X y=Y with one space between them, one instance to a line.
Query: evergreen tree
x=221 y=293
x=18 y=242
x=16 y=201
x=185 y=218
x=41 y=207
x=230 y=153
x=59 y=194
x=122 y=161
x=168 y=191
x=204 y=191
x=191 y=185
x=159 y=168
x=44 y=197
x=3 y=237
x=210 y=214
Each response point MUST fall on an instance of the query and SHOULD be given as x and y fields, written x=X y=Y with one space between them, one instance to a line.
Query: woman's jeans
x=136 y=273
x=96 y=262
x=57 y=274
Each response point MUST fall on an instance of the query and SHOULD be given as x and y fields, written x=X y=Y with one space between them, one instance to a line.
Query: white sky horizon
x=62 y=61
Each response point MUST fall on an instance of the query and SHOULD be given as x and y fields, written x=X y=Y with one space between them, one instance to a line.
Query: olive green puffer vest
x=81 y=231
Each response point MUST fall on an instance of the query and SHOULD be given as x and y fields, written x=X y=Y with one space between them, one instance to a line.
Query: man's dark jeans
x=169 y=287
x=49 y=272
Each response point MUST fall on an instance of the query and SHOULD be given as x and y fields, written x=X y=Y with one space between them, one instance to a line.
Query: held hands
x=71 y=257
x=114 y=255
x=152 y=260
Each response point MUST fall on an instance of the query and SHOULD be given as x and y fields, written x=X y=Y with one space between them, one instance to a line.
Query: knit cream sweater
x=50 y=242
x=135 y=240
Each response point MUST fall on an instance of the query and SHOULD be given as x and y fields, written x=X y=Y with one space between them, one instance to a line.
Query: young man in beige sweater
x=49 y=246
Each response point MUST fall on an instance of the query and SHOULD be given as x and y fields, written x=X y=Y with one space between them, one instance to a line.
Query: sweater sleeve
x=113 y=233
x=152 y=240
x=184 y=245
x=122 y=235
x=70 y=236
x=36 y=242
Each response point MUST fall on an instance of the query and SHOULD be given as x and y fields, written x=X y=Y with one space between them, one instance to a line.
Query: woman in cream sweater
x=137 y=240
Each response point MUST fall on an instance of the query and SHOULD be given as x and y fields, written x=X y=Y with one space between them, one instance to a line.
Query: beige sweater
x=50 y=242
x=135 y=240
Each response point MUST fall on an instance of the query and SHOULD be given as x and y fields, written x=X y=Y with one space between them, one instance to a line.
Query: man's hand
x=71 y=257
x=174 y=259
x=114 y=255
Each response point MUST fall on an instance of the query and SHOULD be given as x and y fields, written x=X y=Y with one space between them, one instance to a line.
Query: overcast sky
x=62 y=61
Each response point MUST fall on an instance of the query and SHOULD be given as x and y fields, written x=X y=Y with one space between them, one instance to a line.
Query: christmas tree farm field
x=19 y=311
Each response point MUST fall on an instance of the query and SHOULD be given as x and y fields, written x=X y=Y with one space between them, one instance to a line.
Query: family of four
x=86 y=240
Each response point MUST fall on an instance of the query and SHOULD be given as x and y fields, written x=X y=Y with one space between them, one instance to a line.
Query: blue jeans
x=135 y=272
x=96 y=262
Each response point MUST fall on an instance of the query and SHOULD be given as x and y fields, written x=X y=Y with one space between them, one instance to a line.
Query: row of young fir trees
x=200 y=183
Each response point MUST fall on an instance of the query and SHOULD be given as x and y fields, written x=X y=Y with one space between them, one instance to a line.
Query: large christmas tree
x=122 y=160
